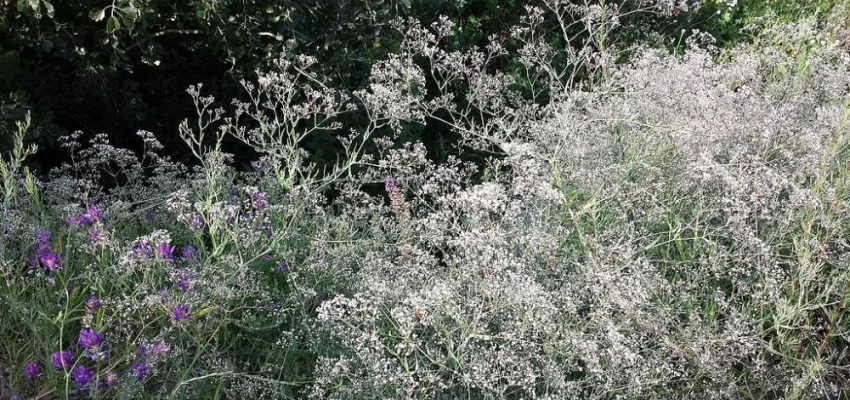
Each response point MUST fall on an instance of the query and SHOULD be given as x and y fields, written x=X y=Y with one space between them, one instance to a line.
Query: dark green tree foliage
x=118 y=67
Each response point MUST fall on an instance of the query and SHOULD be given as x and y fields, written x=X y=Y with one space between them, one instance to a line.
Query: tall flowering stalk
x=397 y=201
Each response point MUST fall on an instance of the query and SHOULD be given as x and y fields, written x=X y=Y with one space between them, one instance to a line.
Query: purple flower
x=110 y=379
x=94 y=213
x=43 y=236
x=89 y=339
x=161 y=349
x=93 y=343
x=189 y=253
x=74 y=221
x=389 y=185
x=140 y=371
x=282 y=268
x=143 y=351
x=165 y=251
x=197 y=222
x=16 y=397
x=94 y=235
x=63 y=360
x=259 y=200
x=142 y=250
x=183 y=282
x=181 y=313
x=81 y=376
x=49 y=259
x=32 y=370
x=92 y=305
x=85 y=219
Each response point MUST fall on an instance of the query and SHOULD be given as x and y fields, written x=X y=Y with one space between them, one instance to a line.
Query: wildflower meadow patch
x=651 y=226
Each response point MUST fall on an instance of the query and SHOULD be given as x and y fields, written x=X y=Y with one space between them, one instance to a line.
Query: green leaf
x=130 y=11
x=98 y=15
x=112 y=24
x=48 y=8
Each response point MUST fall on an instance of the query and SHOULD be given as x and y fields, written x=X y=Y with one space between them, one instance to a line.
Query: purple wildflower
x=389 y=185
x=165 y=251
x=43 y=236
x=63 y=360
x=259 y=200
x=197 y=222
x=181 y=313
x=94 y=235
x=144 y=352
x=282 y=268
x=161 y=349
x=110 y=379
x=81 y=376
x=92 y=305
x=16 y=397
x=48 y=259
x=89 y=339
x=93 y=343
x=142 y=250
x=189 y=253
x=183 y=282
x=32 y=370
x=85 y=219
x=73 y=221
x=140 y=371
x=94 y=213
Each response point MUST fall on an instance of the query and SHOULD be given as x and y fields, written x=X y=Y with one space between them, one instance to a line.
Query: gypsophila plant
x=674 y=226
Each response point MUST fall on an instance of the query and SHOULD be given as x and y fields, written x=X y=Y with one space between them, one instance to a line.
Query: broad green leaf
x=130 y=11
x=98 y=15
x=112 y=24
